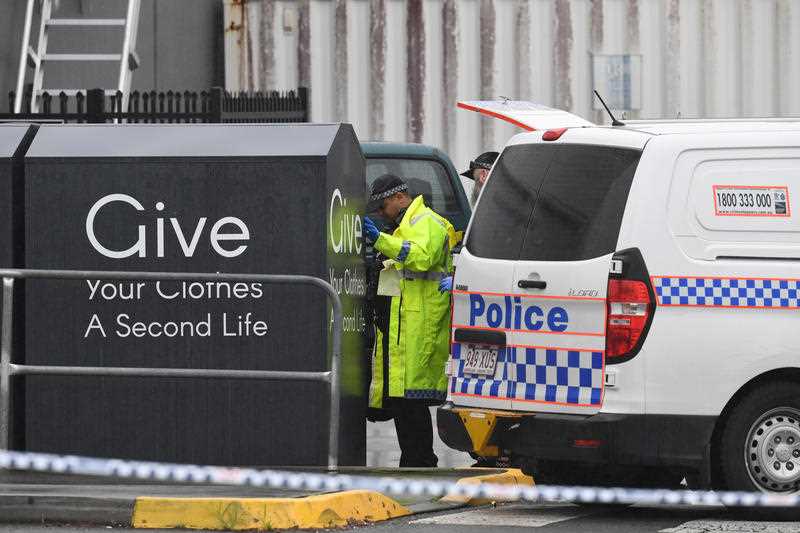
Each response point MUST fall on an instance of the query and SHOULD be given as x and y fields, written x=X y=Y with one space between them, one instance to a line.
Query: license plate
x=480 y=359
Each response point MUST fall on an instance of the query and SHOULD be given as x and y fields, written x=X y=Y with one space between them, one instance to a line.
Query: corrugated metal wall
x=395 y=68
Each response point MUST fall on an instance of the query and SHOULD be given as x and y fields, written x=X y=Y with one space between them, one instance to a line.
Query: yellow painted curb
x=511 y=476
x=236 y=514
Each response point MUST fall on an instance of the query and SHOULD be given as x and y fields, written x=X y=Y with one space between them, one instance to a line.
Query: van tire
x=765 y=423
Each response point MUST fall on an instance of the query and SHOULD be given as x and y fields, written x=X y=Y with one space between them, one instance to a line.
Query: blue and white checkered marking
x=537 y=374
x=728 y=292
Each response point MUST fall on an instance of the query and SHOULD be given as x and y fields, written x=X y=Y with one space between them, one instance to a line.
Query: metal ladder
x=37 y=59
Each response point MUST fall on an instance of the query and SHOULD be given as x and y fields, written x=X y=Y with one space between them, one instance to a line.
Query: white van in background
x=627 y=306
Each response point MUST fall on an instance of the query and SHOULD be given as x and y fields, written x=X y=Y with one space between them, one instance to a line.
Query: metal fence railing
x=8 y=368
x=216 y=106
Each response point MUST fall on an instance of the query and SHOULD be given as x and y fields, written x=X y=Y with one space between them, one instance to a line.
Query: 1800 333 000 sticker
x=752 y=201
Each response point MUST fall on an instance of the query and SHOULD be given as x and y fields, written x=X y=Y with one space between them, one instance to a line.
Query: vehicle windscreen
x=553 y=202
x=424 y=176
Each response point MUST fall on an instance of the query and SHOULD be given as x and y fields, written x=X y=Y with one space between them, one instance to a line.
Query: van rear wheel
x=760 y=441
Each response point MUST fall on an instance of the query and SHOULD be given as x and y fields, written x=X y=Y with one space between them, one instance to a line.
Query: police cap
x=382 y=188
x=485 y=160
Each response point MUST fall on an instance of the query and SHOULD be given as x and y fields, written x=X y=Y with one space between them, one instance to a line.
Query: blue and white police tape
x=390 y=486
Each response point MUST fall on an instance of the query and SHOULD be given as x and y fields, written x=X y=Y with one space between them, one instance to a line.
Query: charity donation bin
x=266 y=199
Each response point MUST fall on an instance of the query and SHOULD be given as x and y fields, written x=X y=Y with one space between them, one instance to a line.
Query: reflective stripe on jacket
x=419 y=323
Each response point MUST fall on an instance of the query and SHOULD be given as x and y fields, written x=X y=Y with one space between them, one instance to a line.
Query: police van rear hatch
x=529 y=305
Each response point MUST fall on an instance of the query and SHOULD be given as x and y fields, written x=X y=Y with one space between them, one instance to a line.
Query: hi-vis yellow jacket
x=419 y=323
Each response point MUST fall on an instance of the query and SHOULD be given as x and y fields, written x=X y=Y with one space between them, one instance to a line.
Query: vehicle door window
x=580 y=207
x=553 y=202
x=423 y=176
x=507 y=202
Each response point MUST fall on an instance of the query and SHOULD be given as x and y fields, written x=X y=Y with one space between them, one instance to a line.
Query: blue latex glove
x=371 y=231
x=446 y=284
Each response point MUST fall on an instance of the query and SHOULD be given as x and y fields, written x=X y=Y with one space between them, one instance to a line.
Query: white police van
x=626 y=306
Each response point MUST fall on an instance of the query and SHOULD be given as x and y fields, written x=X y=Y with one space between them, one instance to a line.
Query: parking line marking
x=516 y=515
x=735 y=526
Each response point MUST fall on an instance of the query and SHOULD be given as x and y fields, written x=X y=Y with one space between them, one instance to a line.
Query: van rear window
x=547 y=202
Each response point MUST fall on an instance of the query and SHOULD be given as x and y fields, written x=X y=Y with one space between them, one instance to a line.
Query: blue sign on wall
x=618 y=79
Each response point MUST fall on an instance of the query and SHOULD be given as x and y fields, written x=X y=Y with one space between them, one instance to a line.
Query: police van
x=626 y=306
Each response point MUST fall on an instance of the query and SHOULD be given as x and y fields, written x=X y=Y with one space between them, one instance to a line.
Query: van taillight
x=629 y=309
x=554 y=134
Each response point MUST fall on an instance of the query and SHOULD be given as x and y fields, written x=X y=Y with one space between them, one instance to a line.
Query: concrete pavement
x=382 y=449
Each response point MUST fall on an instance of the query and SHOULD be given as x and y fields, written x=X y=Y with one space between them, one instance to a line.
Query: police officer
x=479 y=170
x=408 y=368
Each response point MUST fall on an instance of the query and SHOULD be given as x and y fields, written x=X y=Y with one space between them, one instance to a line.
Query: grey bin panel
x=182 y=140
x=13 y=138
x=279 y=182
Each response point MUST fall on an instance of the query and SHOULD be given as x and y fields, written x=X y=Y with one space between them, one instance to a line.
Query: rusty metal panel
x=396 y=67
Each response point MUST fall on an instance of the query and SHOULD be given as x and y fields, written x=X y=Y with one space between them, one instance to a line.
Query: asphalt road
x=551 y=518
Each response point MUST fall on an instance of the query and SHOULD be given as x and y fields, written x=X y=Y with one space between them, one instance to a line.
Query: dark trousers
x=412 y=420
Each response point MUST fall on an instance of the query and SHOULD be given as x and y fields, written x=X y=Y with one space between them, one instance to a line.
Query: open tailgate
x=527 y=115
